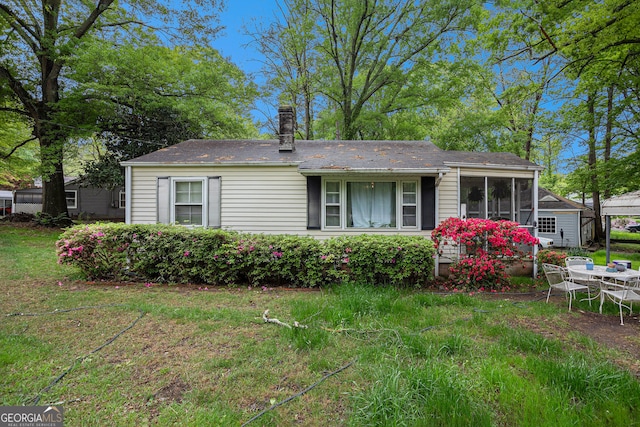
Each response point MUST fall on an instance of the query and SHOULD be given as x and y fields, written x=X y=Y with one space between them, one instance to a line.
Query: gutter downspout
x=535 y=223
x=127 y=194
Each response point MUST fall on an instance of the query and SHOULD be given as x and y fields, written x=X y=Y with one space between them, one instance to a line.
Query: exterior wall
x=96 y=203
x=273 y=199
x=448 y=196
x=569 y=223
x=27 y=208
x=267 y=199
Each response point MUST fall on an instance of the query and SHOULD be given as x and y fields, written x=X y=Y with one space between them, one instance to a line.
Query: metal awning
x=627 y=204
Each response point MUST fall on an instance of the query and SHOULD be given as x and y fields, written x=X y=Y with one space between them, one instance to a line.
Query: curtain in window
x=372 y=204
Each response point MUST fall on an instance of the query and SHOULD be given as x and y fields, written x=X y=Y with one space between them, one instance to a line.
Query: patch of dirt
x=172 y=392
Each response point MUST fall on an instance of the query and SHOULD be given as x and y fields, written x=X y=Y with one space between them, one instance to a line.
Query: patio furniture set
x=617 y=282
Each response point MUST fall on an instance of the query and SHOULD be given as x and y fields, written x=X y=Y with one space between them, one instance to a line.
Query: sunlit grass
x=196 y=357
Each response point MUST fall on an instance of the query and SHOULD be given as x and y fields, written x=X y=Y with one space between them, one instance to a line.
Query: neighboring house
x=568 y=223
x=6 y=201
x=325 y=188
x=82 y=201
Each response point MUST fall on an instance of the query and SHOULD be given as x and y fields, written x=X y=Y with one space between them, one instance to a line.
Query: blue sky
x=231 y=42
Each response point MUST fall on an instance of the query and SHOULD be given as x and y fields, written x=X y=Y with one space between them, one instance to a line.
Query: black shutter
x=428 y=194
x=314 y=197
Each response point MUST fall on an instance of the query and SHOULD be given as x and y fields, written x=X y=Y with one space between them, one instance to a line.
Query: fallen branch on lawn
x=267 y=319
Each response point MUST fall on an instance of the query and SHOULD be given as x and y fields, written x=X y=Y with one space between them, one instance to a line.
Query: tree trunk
x=593 y=172
x=608 y=140
x=54 y=201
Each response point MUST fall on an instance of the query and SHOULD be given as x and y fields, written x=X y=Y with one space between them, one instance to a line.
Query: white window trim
x=204 y=204
x=399 y=205
x=122 y=201
x=75 y=199
x=548 y=217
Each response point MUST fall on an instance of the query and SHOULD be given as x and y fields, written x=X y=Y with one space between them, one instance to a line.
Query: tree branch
x=28 y=35
x=101 y=7
x=17 y=88
x=23 y=143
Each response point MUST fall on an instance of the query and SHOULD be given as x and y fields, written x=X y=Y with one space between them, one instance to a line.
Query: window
x=29 y=198
x=497 y=198
x=5 y=207
x=547 y=224
x=72 y=199
x=188 y=203
x=370 y=204
x=409 y=204
x=122 y=200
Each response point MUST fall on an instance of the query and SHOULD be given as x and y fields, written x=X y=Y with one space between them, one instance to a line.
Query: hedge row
x=174 y=254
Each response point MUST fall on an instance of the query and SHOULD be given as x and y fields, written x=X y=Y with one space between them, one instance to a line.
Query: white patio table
x=600 y=272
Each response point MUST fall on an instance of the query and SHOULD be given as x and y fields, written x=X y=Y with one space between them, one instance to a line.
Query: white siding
x=569 y=223
x=257 y=200
x=448 y=196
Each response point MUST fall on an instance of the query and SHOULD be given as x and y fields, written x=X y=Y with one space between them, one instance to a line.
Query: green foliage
x=486 y=247
x=356 y=63
x=547 y=256
x=158 y=253
x=58 y=221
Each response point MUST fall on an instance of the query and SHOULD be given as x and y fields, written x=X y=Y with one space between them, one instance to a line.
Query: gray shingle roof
x=319 y=155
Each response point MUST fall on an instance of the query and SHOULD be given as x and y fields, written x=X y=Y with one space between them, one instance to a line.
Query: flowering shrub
x=173 y=254
x=547 y=256
x=485 y=247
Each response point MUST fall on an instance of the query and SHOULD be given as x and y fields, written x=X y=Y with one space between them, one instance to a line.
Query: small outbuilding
x=83 y=201
x=568 y=223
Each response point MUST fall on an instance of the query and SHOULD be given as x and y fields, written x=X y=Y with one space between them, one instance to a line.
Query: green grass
x=624 y=235
x=205 y=357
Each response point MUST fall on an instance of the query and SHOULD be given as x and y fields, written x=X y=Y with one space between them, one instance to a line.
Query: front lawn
x=139 y=354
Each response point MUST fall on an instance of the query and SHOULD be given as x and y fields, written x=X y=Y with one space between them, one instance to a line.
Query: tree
x=288 y=47
x=141 y=107
x=363 y=54
x=38 y=41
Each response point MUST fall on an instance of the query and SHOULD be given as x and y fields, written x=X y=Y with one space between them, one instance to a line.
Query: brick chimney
x=286 y=121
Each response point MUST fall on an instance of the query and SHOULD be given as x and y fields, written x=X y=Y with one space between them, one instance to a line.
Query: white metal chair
x=620 y=294
x=559 y=279
x=583 y=279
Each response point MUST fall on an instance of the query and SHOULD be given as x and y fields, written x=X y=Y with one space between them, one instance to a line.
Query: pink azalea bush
x=486 y=248
x=547 y=256
x=174 y=254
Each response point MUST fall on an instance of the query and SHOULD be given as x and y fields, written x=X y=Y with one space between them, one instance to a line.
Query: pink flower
x=148 y=285
x=187 y=253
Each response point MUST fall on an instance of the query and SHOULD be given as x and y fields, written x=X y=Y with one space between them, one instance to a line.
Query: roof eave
x=402 y=171
x=205 y=164
x=531 y=167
